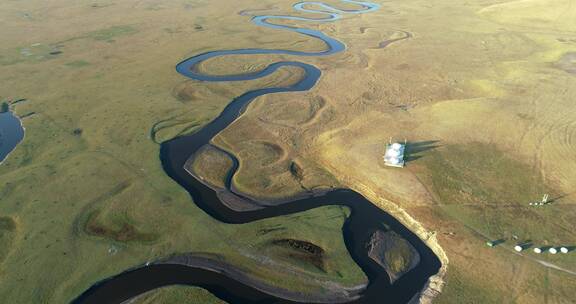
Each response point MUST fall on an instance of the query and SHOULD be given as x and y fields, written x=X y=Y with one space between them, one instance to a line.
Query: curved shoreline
x=364 y=219
x=436 y=282
x=238 y=275
x=19 y=132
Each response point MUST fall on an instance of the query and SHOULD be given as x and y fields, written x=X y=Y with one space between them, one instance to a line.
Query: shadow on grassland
x=414 y=150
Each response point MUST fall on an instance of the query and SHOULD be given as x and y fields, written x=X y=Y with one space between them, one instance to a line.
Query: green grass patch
x=178 y=294
x=109 y=34
x=488 y=191
x=460 y=288
x=77 y=63
x=7 y=231
x=211 y=165
x=9 y=59
x=479 y=173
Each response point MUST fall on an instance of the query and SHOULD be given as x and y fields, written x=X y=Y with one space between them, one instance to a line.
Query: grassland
x=485 y=97
x=84 y=196
x=178 y=294
x=212 y=166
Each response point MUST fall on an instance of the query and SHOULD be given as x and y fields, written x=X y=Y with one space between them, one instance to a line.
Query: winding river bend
x=364 y=220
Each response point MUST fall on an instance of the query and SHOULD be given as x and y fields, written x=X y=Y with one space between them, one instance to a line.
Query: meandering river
x=364 y=220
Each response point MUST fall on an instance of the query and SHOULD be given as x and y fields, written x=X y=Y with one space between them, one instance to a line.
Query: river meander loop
x=364 y=220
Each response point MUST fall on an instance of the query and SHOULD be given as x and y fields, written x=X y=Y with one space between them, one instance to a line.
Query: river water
x=11 y=133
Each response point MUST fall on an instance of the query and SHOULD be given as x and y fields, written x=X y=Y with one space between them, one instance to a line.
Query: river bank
x=435 y=283
x=334 y=293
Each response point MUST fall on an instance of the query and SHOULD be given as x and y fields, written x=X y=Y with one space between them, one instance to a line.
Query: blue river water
x=333 y=46
x=364 y=220
x=11 y=133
